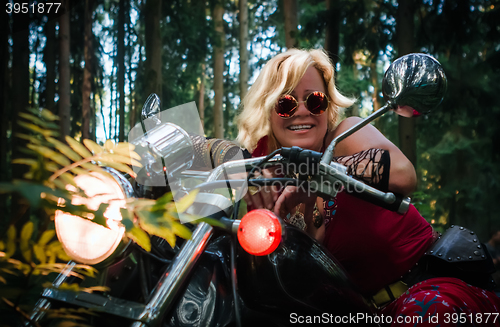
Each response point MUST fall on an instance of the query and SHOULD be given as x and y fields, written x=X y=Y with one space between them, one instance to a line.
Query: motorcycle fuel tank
x=299 y=277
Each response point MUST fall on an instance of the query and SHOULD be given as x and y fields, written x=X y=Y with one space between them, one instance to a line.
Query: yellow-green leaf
x=127 y=218
x=181 y=230
x=123 y=147
x=62 y=255
x=68 y=179
x=93 y=167
x=39 y=253
x=92 y=146
x=2 y=245
x=160 y=231
x=109 y=145
x=79 y=171
x=32 y=127
x=33 y=119
x=46 y=237
x=27 y=231
x=43 y=150
x=26 y=161
x=78 y=147
x=3 y=280
x=140 y=237
x=120 y=158
x=52 y=257
x=120 y=167
x=186 y=201
x=27 y=253
x=54 y=246
x=47 y=114
x=59 y=184
x=139 y=203
x=48 y=153
x=64 y=149
x=126 y=149
x=29 y=138
x=11 y=233
x=11 y=248
x=60 y=159
x=37 y=129
x=52 y=166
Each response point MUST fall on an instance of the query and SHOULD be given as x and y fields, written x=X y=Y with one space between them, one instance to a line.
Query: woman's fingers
x=267 y=193
x=290 y=198
x=260 y=197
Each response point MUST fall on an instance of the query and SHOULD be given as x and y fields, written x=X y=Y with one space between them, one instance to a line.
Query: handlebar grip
x=401 y=204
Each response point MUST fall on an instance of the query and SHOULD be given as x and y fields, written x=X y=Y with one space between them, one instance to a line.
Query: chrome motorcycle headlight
x=87 y=242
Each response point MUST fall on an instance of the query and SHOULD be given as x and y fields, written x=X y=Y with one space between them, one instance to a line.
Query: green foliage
x=51 y=185
x=458 y=143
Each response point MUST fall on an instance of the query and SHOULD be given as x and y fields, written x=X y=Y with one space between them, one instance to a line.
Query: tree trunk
x=5 y=113
x=332 y=38
x=244 y=71
x=129 y=50
x=218 y=69
x=404 y=28
x=140 y=97
x=153 y=76
x=49 y=57
x=33 y=76
x=64 y=71
x=121 y=68
x=87 y=71
x=20 y=84
x=291 y=21
x=20 y=97
x=201 y=101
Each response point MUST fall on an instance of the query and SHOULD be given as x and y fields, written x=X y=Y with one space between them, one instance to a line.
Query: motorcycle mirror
x=150 y=111
x=414 y=83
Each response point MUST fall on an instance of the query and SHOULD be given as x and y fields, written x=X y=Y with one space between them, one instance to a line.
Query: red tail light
x=259 y=232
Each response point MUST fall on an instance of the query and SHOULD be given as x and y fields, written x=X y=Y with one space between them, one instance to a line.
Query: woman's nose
x=302 y=110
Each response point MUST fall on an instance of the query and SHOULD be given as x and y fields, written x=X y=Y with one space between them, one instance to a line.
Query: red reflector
x=259 y=232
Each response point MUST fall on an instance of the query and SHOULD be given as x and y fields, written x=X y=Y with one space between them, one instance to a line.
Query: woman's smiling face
x=303 y=129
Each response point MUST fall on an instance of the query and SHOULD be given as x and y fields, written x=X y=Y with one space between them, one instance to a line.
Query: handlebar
x=326 y=180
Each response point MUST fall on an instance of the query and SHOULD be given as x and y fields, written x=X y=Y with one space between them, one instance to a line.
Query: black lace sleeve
x=370 y=166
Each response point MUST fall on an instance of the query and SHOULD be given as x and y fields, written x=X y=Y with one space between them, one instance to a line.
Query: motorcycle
x=239 y=271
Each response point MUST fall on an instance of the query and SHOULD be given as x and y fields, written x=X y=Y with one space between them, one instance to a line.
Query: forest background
x=94 y=63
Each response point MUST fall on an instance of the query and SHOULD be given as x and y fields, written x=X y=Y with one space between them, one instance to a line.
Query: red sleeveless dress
x=377 y=247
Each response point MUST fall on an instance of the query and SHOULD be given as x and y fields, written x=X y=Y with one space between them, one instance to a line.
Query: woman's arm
x=402 y=175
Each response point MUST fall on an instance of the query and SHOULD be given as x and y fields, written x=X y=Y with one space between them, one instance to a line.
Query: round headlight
x=83 y=240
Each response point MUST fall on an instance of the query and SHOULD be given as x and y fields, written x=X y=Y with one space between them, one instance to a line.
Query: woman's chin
x=304 y=143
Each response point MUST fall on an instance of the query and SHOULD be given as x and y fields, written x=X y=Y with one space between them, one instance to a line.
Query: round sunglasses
x=316 y=103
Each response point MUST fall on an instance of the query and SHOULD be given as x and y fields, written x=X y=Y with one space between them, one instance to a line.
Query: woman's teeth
x=299 y=127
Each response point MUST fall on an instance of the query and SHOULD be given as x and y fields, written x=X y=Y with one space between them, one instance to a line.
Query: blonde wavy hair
x=280 y=76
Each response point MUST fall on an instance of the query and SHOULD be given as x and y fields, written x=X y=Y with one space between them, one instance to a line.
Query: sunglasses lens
x=317 y=103
x=286 y=106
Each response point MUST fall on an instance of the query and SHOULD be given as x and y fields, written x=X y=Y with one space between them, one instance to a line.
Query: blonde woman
x=295 y=102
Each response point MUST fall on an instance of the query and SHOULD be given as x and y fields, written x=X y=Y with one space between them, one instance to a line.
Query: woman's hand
x=262 y=197
x=291 y=198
